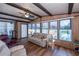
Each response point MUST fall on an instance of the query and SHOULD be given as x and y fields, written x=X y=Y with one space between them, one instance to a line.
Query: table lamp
x=30 y=31
x=51 y=35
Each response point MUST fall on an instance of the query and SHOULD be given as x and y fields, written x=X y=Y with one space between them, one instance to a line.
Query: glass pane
x=33 y=28
x=7 y=28
x=38 y=28
x=65 y=24
x=24 y=30
x=45 y=27
x=53 y=29
x=45 y=31
x=29 y=26
x=53 y=25
x=65 y=30
x=54 y=33
x=2 y=28
x=29 y=29
x=65 y=35
x=33 y=31
x=10 y=28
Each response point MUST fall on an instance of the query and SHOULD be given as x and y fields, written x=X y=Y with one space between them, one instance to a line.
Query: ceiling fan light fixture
x=27 y=15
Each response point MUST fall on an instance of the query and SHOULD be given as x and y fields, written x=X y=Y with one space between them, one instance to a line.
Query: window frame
x=34 y=28
x=44 y=28
x=60 y=28
x=37 y=28
x=26 y=30
x=52 y=28
x=6 y=27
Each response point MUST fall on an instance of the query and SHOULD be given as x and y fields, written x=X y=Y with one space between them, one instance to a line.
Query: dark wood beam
x=13 y=19
x=42 y=8
x=21 y=8
x=13 y=15
x=70 y=7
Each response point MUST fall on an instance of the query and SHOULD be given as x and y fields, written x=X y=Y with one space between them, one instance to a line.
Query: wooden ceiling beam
x=21 y=8
x=70 y=7
x=14 y=16
x=13 y=19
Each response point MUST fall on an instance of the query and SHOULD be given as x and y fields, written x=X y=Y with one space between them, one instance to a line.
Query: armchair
x=14 y=51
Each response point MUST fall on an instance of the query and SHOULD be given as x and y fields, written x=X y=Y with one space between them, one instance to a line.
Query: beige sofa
x=39 y=39
x=14 y=51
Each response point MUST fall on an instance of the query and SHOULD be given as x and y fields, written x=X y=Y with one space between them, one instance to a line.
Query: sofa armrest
x=13 y=49
x=44 y=39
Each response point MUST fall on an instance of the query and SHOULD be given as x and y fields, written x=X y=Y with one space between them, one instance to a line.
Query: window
x=33 y=28
x=65 y=30
x=53 y=29
x=29 y=29
x=23 y=30
x=38 y=27
x=10 y=29
x=3 y=28
x=6 y=28
x=45 y=27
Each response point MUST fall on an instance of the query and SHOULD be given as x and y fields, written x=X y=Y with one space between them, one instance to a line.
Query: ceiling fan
x=27 y=15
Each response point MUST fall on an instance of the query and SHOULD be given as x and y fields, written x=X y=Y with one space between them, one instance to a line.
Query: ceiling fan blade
x=22 y=14
x=31 y=16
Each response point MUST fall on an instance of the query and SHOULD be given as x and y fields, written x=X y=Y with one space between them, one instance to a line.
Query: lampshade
x=51 y=32
x=30 y=30
x=53 y=40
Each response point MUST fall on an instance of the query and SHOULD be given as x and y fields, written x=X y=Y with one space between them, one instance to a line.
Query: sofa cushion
x=20 y=52
x=39 y=35
x=4 y=50
x=44 y=36
x=13 y=49
x=35 y=35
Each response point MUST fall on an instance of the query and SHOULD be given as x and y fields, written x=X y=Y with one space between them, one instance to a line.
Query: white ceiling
x=11 y=10
x=53 y=8
x=76 y=7
x=32 y=8
x=56 y=8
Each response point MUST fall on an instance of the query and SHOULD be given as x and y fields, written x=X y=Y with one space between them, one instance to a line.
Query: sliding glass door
x=65 y=30
x=24 y=30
